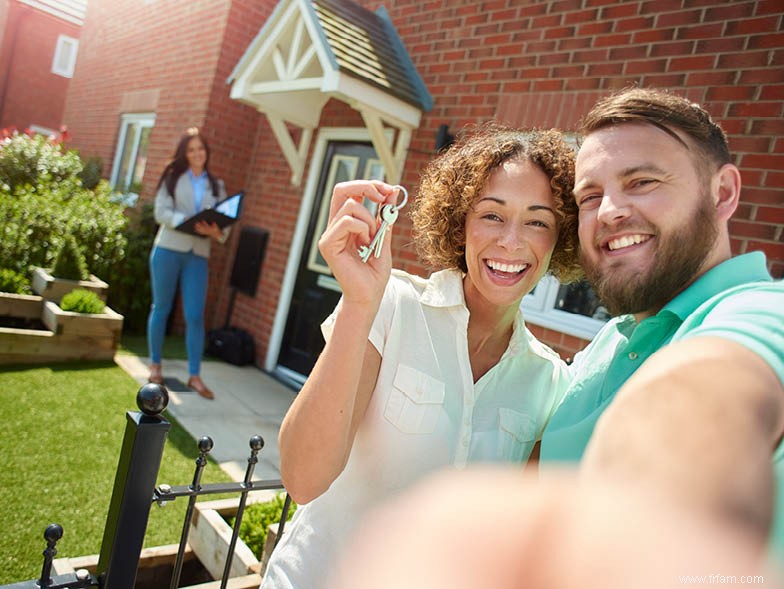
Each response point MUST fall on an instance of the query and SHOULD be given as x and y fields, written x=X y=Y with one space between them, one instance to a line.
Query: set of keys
x=389 y=215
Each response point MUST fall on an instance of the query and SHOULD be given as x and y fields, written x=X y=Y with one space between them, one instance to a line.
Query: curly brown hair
x=453 y=181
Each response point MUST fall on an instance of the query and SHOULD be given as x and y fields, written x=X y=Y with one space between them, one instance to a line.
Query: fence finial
x=152 y=399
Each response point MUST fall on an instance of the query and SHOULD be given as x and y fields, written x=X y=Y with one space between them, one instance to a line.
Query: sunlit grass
x=173 y=346
x=62 y=430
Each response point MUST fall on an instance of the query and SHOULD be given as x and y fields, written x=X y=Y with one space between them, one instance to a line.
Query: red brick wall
x=30 y=94
x=4 y=7
x=180 y=52
x=538 y=63
x=545 y=64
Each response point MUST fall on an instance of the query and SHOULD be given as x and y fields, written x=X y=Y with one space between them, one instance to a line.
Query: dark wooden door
x=316 y=292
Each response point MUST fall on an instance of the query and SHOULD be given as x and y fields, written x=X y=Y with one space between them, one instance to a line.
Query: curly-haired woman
x=419 y=374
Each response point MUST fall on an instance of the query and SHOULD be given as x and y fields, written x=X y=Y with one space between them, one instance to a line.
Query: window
x=131 y=157
x=65 y=56
x=574 y=309
x=45 y=131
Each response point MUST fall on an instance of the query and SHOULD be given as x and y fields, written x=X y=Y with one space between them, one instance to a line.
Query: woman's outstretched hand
x=350 y=227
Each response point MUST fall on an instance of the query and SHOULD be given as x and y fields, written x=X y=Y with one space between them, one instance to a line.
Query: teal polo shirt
x=737 y=300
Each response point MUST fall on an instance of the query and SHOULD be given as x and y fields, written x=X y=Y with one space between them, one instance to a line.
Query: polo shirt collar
x=739 y=270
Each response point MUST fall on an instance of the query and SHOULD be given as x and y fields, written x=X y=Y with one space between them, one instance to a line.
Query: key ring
x=405 y=196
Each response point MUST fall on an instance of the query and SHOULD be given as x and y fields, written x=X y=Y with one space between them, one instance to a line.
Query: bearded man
x=680 y=393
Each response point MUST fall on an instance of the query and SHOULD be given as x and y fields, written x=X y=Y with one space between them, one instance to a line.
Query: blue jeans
x=167 y=267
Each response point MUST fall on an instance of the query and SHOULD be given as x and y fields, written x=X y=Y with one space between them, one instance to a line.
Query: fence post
x=137 y=471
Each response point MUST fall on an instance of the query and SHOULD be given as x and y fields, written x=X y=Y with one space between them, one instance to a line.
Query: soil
x=21 y=323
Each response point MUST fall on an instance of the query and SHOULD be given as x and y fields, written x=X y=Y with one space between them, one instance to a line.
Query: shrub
x=256 y=520
x=12 y=281
x=80 y=300
x=91 y=174
x=130 y=293
x=69 y=262
x=34 y=219
x=32 y=160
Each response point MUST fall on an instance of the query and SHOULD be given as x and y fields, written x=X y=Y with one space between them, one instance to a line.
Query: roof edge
x=423 y=93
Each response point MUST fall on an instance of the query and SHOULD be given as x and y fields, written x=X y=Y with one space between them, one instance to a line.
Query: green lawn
x=173 y=346
x=62 y=429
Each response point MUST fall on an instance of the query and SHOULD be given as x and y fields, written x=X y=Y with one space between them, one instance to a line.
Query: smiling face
x=510 y=235
x=647 y=222
x=196 y=154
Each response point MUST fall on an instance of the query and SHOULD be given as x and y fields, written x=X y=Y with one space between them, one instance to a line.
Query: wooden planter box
x=155 y=568
x=210 y=536
x=24 y=306
x=208 y=544
x=53 y=289
x=20 y=344
x=90 y=336
x=64 y=336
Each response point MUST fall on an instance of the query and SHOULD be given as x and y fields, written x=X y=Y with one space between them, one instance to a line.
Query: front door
x=316 y=292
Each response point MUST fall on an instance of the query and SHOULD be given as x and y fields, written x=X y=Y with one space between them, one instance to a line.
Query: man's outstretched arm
x=697 y=422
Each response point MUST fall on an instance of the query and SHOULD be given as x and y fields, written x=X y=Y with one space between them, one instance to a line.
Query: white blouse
x=425 y=413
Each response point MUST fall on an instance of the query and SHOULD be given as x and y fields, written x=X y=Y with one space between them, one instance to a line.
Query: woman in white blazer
x=185 y=188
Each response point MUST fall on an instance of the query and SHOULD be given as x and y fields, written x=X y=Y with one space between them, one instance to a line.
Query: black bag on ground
x=232 y=344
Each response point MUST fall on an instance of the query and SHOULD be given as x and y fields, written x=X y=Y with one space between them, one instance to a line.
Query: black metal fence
x=133 y=495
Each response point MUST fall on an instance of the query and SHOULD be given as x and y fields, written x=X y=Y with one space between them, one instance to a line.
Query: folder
x=224 y=213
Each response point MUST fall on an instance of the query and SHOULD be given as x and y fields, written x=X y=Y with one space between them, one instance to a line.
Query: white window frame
x=67 y=47
x=143 y=120
x=539 y=309
x=45 y=131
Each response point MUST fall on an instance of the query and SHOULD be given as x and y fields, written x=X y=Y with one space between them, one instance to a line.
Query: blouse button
x=632 y=355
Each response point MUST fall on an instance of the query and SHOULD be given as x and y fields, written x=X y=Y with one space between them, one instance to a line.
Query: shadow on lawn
x=58 y=366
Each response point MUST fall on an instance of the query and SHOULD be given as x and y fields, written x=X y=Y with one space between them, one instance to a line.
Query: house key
x=389 y=214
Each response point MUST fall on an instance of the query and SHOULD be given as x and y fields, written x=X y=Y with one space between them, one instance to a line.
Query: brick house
x=296 y=93
x=39 y=42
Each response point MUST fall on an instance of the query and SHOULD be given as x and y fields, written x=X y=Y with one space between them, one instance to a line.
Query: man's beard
x=677 y=260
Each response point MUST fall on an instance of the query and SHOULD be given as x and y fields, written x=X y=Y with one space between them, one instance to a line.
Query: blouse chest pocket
x=517 y=435
x=415 y=401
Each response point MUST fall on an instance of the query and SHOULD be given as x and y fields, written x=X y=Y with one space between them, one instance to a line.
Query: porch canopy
x=309 y=51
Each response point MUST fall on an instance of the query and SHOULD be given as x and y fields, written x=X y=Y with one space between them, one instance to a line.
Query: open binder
x=224 y=213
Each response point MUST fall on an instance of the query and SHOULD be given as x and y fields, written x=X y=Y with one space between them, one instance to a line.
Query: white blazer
x=170 y=212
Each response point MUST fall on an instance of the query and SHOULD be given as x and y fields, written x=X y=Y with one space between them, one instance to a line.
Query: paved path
x=247 y=402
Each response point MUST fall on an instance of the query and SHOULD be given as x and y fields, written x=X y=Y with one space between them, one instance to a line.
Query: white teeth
x=511 y=268
x=626 y=241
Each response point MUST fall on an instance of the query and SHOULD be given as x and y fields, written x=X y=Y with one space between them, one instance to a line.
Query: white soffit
x=309 y=51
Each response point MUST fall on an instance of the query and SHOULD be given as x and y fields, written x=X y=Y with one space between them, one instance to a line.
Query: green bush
x=80 y=300
x=91 y=174
x=12 y=281
x=69 y=262
x=256 y=520
x=26 y=160
x=34 y=219
x=129 y=279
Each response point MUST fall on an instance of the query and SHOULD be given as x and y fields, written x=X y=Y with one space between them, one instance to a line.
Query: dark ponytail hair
x=179 y=164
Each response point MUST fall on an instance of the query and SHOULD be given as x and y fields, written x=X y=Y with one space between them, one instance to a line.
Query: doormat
x=175 y=385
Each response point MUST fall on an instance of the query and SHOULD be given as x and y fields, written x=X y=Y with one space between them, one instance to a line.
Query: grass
x=173 y=346
x=62 y=430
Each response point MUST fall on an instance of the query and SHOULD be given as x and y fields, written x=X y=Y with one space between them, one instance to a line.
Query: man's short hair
x=669 y=112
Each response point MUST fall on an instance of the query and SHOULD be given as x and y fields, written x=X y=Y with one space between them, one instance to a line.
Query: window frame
x=539 y=309
x=64 y=41
x=144 y=120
